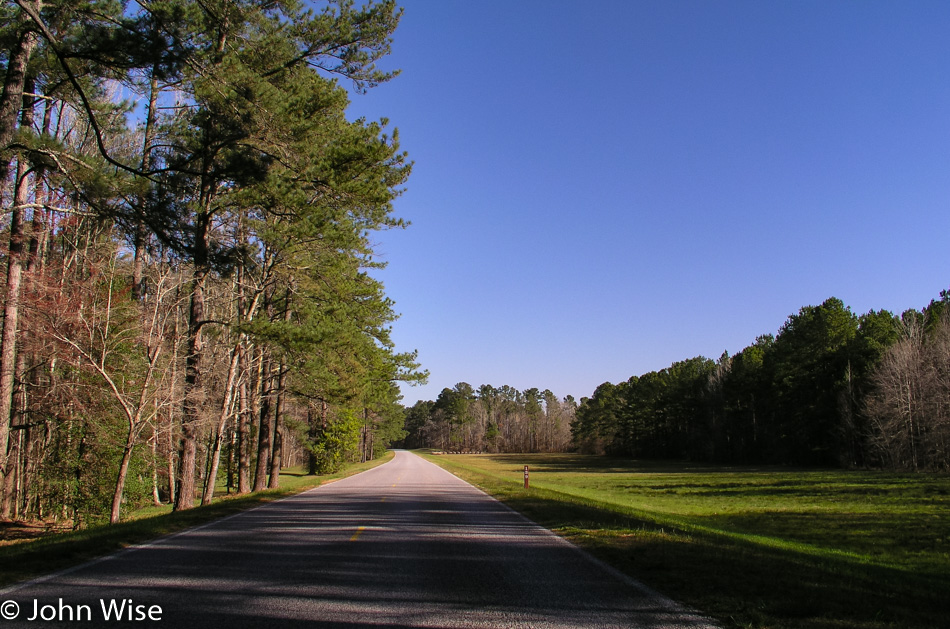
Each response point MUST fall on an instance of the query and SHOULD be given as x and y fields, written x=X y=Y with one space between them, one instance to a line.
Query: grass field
x=25 y=558
x=754 y=547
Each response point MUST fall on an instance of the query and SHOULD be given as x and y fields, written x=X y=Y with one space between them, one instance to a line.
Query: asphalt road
x=405 y=544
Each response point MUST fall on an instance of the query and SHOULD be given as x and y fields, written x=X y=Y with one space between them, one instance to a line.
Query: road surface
x=405 y=544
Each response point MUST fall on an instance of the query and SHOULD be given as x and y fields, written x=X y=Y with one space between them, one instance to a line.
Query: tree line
x=831 y=388
x=188 y=292
x=491 y=419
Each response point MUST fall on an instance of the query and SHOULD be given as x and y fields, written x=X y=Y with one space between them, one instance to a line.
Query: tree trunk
x=172 y=488
x=191 y=415
x=172 y=403
x=39 y=233
x=244 y=430
x=120 y=481
x=11 y=479
x=11 y=102
x=222 y=421
x=266 y=428
x=141 y=234
x=244 y=419
x=156 y=496
x=363 y=432
x=278 y=450
x=277 y=453
x=8 y=341
x=11 y=99
x=315 y=432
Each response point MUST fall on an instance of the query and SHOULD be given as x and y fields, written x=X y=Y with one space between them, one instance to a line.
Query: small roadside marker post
x=525 y=476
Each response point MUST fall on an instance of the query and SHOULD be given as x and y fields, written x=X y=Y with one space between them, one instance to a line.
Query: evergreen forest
x=188 y=260
x=831 y=388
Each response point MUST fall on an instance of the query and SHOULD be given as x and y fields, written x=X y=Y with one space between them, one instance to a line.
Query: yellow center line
x=357 y=533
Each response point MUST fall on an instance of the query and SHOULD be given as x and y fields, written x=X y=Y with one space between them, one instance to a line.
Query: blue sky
x=602 y=189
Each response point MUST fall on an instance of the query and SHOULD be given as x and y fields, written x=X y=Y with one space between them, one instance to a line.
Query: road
x=405 y=544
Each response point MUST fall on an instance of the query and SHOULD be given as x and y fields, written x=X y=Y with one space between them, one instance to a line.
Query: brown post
x=525 y=476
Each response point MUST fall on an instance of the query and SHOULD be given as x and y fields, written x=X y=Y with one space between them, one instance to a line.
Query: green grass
x=26 y=559
x=754 y=547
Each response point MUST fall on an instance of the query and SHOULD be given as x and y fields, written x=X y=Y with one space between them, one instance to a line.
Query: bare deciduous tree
x=909 y=409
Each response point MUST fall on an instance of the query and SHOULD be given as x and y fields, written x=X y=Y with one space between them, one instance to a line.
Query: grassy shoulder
x=754 y=547
x=21 y=560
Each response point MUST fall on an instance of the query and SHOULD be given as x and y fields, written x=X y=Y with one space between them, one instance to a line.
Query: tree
x=745 y=392
x=416 y=418
x=22 y=38
x=105 y=335
x=877 y=331
x=250 y=191
x=907 y=408
x=808 y=366
x=596 y=423
x=237 y=135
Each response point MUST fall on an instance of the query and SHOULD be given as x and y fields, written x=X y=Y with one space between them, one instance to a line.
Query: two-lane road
x=405 y=544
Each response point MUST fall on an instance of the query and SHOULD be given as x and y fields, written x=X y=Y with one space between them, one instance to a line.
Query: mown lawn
x=754 y=547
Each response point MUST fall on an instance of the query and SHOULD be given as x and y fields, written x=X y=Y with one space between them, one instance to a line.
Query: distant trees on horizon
x=491 y=419
x=831 y=388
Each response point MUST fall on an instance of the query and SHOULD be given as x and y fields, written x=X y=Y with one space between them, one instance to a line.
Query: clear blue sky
x=603 y=188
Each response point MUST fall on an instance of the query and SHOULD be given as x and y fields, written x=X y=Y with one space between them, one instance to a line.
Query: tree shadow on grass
x=744 y=583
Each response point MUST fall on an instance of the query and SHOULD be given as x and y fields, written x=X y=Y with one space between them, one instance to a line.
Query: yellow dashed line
x=357 y=533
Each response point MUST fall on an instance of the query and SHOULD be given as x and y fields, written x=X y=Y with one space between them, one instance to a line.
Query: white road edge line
x=167 y=538
x=667 y=602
